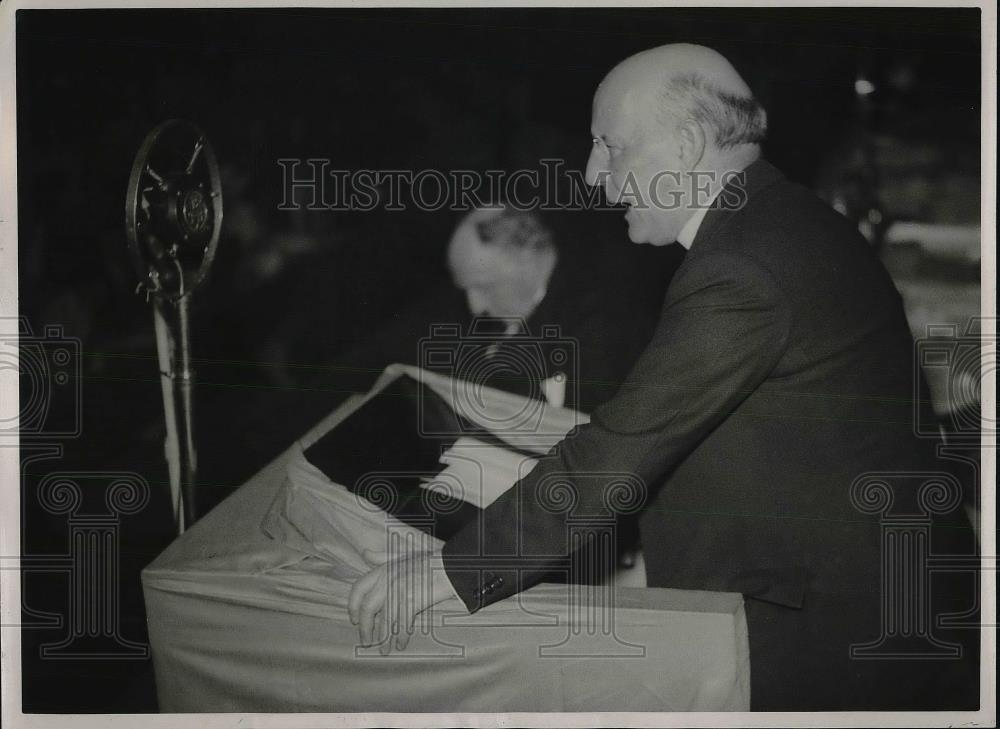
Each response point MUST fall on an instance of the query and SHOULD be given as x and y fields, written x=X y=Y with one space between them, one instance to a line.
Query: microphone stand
x=173 y=215
x=177 y=381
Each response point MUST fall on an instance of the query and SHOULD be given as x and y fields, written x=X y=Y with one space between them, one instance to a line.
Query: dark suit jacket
x=780 y=372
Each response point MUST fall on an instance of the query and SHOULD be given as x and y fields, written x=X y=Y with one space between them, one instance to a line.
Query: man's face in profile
x=634 y=158
x=497 y=281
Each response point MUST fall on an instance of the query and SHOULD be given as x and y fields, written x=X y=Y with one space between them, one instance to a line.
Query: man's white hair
x=515 y=230
x=731 y=119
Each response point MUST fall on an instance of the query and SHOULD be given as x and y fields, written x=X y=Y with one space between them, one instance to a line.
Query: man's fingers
x=403 y=590
x=402 y=640
x=372 y=602
x=397 y=596
x=388 y=612
x=406 y=627
x=385 y=602
x=385 y=632
x=412 y=604
x=384 y=637
x=359 y=590
x=364 y=628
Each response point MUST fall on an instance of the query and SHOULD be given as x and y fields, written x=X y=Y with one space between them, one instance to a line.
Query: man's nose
x=596 y=169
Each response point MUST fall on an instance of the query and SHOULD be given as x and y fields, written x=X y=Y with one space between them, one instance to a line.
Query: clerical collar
x=690 y=229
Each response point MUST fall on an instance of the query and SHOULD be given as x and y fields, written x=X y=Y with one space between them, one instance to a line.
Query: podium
x=247 y=612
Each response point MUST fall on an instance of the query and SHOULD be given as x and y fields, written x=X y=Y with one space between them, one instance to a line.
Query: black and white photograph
x=442 y=365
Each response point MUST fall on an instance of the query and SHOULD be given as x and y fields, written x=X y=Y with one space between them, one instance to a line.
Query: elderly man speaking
x=770 y=418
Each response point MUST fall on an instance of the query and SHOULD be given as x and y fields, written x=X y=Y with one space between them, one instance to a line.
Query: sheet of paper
x=480 y=472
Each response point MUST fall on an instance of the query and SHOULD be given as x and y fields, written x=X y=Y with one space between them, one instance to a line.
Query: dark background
x=291 y=291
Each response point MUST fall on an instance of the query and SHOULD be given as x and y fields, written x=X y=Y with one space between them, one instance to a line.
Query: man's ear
x=691 y=147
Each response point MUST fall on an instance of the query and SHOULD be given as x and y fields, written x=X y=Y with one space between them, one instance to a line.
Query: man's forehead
x=614 y=111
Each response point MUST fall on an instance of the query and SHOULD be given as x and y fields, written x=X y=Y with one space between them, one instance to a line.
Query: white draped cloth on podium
x=247 y=611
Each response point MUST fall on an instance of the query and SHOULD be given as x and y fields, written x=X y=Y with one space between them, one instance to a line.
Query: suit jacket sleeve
x=724 y=326
x=607 y=351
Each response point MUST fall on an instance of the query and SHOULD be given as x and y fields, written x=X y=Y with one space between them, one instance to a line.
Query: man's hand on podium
x=385 y=602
